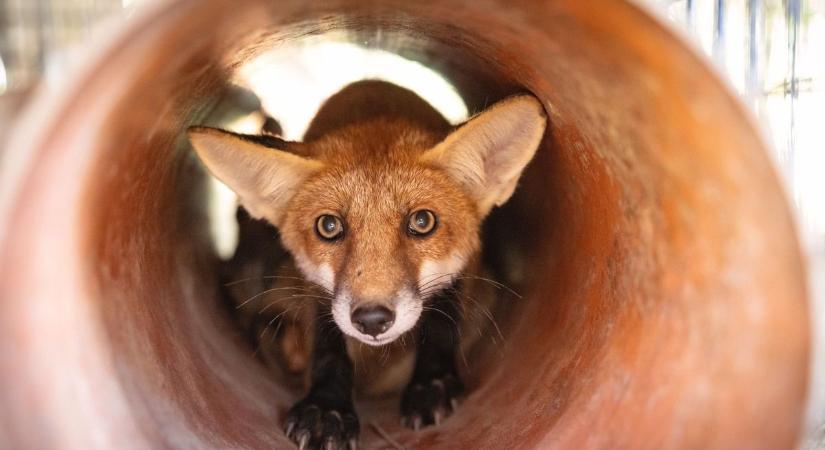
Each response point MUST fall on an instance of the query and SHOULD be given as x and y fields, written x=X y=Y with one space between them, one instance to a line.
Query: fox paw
x=429 y=402
x=312 y=425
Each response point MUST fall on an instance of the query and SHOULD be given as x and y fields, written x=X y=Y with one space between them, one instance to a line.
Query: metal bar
x=754 y=76
x=719 y=32
x=793 y=14
x=690 y=10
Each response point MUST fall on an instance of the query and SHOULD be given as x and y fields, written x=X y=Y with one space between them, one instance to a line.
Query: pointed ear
x=256 y=167
x=487 y=154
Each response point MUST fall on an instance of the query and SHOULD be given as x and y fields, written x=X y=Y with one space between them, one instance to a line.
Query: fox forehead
x=380 y=191
x=374 y=169
x=374 y=202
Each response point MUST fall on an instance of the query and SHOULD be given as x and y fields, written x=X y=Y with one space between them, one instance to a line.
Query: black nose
x=372 y=320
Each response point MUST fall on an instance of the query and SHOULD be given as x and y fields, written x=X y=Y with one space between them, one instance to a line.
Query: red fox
x=380 y=206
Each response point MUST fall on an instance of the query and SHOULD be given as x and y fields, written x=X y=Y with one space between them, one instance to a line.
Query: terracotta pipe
x=664 y=300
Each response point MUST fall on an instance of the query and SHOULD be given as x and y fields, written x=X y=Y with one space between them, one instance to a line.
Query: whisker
x=277 y=329
x=486 y=312
x=434 y=275
x=291 y=297
x=431 y=308
x=260 y=338
x=268 y=291
x=266 y=328
x=457 y=329
x=434 y=290
x=434 y=279
x=263 y=277
x=279 y=277
x=463 y=356
x=276 y=318
x=495 y=283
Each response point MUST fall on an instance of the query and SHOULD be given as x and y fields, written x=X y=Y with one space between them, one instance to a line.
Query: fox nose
x=372 y=320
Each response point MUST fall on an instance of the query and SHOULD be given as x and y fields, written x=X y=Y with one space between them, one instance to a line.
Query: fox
x=380 y=208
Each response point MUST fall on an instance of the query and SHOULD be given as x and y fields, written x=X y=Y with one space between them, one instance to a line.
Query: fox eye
x=329 y=227
x=421 y=223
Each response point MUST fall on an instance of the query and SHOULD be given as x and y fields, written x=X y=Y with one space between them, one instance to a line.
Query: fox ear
x=487 y=153
x=263 y=175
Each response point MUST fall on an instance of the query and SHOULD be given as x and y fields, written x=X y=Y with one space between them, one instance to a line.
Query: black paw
x=428 y=402
x=312 y=425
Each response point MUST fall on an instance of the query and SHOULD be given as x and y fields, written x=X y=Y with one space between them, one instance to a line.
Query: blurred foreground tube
x=664 y=297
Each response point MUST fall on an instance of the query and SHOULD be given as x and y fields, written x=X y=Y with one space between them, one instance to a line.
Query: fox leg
x=326 y=418
x=435 y=386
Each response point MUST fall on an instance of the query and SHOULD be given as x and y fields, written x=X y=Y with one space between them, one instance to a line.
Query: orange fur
x=374 y=154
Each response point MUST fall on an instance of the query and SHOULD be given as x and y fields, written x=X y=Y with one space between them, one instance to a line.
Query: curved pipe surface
x=664 y=300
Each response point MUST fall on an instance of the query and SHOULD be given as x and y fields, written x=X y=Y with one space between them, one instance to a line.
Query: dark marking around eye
x=421 y=223
x=329 y=227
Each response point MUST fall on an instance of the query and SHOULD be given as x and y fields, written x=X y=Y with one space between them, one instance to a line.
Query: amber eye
x=422 y=223
x=329 y=227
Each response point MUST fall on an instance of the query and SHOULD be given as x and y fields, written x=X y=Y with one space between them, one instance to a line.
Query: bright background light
x=3 y=81
x=293 y=80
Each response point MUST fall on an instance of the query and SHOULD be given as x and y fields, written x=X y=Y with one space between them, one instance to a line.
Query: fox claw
x=316 y=427
x=429 y=403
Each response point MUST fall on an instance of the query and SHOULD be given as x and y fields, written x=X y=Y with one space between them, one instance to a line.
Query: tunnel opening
x=279 y=92
x=649 y=239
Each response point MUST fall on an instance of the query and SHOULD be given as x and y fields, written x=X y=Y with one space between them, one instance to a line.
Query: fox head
x=382 y=214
